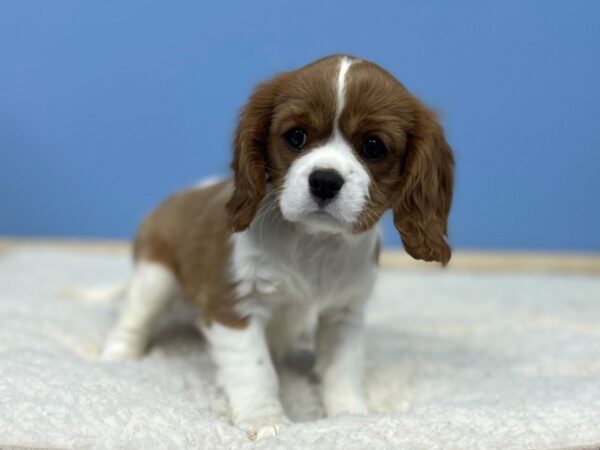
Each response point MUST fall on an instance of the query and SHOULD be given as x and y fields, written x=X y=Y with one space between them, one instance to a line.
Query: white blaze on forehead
x=345 y=64
x=296 y=201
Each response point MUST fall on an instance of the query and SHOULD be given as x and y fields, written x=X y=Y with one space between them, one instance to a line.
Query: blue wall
x=108 y=106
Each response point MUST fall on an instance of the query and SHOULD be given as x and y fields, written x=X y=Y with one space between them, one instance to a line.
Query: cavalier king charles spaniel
x=290 y=245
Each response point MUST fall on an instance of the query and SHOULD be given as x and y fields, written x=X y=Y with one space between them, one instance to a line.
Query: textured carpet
x=455 y=360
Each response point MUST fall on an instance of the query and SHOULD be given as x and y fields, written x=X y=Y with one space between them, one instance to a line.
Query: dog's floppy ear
x=423 y=204
x=250 y=147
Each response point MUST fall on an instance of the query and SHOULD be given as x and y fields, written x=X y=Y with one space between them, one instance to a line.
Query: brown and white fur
x=263 y=259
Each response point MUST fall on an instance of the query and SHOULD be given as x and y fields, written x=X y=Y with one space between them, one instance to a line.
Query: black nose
x=325 y=184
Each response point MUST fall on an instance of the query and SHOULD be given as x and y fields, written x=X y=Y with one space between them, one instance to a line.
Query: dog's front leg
x=245 y=372
x=340 y=361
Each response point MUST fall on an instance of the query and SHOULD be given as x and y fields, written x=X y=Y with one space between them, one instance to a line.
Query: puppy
x=291 y=243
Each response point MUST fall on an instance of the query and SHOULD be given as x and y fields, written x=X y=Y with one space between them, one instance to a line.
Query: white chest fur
x=275 y=262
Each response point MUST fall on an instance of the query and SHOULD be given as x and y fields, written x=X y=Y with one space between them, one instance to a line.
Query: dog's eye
x=373 y=148
x=296 y=138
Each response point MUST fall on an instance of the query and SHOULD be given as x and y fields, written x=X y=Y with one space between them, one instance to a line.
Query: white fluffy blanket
x=455 y=360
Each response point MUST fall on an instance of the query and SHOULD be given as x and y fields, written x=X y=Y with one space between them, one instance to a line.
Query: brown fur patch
x=304 y=98
x=189 y=234
x=416 y=178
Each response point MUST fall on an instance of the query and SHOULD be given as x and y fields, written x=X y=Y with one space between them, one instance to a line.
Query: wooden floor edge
x=390 y=258
x=502 y=261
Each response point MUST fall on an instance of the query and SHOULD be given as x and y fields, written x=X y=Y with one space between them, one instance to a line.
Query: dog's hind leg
x=152 y=288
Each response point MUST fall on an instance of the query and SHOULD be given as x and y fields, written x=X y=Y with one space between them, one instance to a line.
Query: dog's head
x=341 y=141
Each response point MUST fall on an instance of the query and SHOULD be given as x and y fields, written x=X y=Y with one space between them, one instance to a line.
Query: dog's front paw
x=341 y=406
x=265 y=426
x=120 y=348
x=340 y=399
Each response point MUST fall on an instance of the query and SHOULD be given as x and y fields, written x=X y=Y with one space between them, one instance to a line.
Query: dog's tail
x=96 y=294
